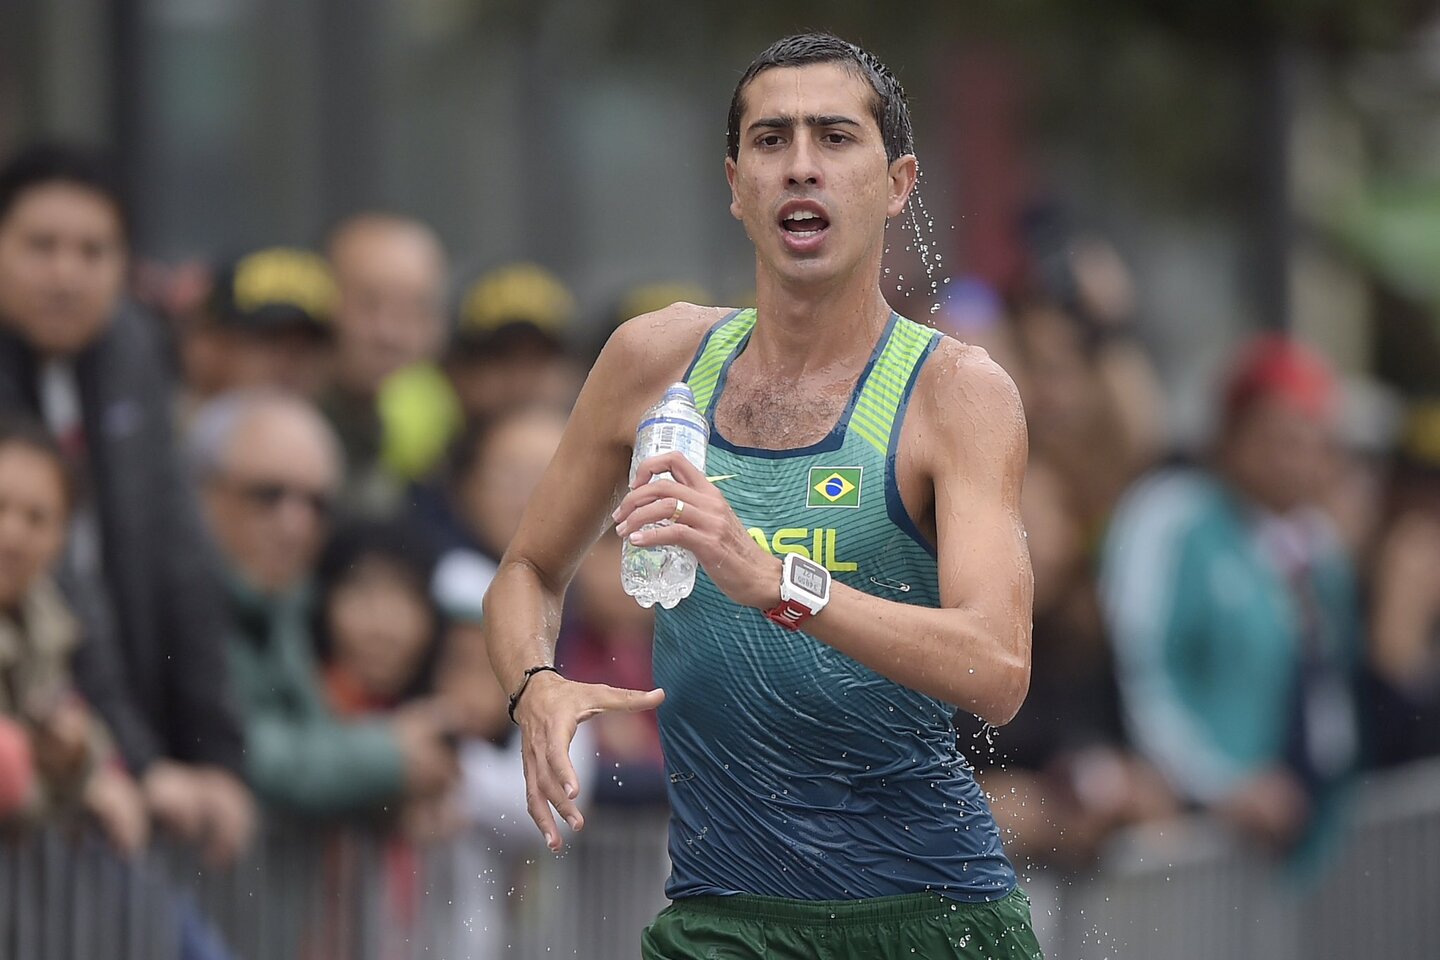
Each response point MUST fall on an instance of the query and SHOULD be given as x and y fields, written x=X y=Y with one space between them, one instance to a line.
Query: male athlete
x=864 y=569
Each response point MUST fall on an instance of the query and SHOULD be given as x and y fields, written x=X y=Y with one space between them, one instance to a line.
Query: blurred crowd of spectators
x=248 y=512
x=1240 y=625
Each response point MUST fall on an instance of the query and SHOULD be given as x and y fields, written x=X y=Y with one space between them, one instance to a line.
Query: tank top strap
x=715 y=349
x=887 y=386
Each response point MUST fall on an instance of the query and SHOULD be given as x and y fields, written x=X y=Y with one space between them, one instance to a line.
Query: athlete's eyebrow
x=788 y=121
x=830 y=120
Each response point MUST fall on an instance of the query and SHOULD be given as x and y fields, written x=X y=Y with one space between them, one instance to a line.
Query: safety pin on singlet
x=889 y=584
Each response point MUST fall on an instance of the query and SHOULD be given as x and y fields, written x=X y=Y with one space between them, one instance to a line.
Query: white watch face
x=808 y=579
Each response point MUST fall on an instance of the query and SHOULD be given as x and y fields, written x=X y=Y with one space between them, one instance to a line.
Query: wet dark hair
x=17 y=431
x=891 y=112
x=46 y=163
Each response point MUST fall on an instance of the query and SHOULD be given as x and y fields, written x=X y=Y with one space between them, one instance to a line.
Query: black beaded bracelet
x=525 y=682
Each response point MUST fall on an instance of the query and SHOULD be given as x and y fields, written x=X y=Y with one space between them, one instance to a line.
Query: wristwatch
x=804 y=591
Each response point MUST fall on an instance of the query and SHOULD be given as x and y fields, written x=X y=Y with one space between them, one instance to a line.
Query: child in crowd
x=378 y=634
x=56 y=759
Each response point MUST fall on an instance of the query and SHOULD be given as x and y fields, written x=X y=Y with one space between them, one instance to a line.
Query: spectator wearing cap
x=390 y=274
x=267 y=324
x=1231 y=606
x=75 y=354
x=1404 y=650
x=509 y=346
x=508 y=350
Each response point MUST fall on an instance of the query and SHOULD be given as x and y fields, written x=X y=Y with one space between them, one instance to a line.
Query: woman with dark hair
x=377 y=630
x=57 y=759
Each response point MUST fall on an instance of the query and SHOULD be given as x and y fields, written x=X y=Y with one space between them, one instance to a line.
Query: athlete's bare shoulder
x=642 y=357
x=969 y=404
x=654 y=349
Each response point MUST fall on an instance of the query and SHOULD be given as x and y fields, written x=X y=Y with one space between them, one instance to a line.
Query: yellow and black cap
x=275 y=289
x=517 y=304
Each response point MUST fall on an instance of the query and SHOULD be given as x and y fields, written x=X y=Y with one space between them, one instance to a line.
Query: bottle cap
x=679 y=389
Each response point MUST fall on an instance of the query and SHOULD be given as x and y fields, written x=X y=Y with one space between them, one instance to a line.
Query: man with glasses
x=268 y=466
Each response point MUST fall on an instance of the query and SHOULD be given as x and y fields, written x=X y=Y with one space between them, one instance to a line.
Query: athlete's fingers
x=551 y=784
x=674 y=463
x=565 y=786
x=568 y=811
x=556 y=776
x=625 y=700
x=686 y=472
x=660 y=511
x=550 y=792
x=667 y=492
x=651 y=492
x=670 y=535
x=537 y=805
x=654 y=506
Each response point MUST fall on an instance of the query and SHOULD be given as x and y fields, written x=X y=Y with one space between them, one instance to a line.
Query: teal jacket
x=1207 y=639
x=299 y=755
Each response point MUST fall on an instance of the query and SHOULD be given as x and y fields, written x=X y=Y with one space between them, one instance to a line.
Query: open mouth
x=803 y=223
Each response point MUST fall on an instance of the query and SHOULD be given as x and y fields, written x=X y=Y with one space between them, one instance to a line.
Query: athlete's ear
x=730 y=179
x=903 y=172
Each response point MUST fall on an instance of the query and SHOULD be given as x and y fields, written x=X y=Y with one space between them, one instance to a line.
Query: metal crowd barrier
x=1184 y=892
x=301 y=894
x=1190 y=891
x=593 y=901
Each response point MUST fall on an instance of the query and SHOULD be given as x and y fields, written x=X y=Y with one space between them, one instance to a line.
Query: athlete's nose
x=804 y=163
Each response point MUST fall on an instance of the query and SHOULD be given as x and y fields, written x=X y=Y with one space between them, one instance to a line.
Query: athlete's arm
x=565 y=515
x=965 y=433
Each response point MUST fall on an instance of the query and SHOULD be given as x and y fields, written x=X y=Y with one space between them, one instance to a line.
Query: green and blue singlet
x=795 y=771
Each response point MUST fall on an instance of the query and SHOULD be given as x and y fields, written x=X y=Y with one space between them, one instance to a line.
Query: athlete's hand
x=550 y=711
x=706 y=526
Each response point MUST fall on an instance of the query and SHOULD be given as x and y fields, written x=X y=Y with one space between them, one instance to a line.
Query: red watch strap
x=789 y=614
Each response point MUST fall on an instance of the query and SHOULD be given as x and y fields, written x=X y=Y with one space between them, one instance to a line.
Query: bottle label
x=676 y=421
x=659 y=435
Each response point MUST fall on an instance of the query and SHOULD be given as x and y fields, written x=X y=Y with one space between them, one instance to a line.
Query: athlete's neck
x=803 y=328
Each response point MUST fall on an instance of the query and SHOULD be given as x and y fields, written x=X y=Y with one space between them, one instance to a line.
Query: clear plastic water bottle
x=666 y=574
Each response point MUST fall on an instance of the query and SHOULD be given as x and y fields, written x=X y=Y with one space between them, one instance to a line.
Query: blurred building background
x=1258 y=163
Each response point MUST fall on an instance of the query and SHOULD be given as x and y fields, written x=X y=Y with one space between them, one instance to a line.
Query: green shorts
x=885 y=928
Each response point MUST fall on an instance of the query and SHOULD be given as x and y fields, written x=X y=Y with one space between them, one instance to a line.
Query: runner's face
x=811 y=183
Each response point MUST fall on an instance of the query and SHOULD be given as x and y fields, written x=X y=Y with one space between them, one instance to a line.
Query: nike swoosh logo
x=723 y=476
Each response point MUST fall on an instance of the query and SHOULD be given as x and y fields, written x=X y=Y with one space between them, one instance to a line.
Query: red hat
x=1274 y=365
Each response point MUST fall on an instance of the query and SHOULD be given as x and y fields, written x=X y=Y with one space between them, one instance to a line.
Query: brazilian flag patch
x=834 y=487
